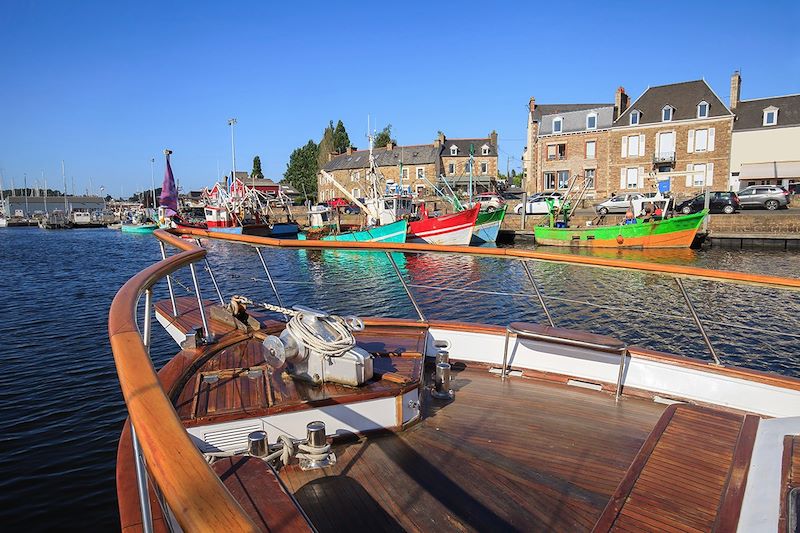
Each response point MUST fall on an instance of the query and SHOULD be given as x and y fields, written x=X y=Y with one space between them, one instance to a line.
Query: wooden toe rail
x=689 y=475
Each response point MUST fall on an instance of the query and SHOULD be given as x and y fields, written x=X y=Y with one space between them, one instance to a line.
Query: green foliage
x=384 y=137
x=257 y=173
x=326 y=145
x=301 y=171
x=341 y=141
x=517 y=180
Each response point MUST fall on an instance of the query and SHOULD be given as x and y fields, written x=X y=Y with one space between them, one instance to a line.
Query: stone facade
x=421 y=166
x=702 y=145
x=577 y=160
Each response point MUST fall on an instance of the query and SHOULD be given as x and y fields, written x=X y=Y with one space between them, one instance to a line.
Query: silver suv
x=767 y=196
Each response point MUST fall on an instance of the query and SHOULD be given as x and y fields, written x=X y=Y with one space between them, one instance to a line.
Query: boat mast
x=64 y=177
x=153 y=186
x=45 y=193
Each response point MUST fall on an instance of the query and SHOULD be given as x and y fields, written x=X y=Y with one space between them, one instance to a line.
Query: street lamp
x=232 y=123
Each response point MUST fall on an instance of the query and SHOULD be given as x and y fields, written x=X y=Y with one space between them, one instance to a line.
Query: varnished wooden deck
x=515 y=455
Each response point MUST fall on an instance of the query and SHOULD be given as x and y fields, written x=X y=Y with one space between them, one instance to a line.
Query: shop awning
x=773 y=170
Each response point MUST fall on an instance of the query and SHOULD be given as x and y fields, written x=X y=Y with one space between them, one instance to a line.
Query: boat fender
x=620 y=239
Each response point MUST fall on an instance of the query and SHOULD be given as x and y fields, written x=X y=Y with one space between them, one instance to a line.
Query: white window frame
x=451 y=168
x=699 y=180
x=355 y=176
x=454 y=150
x=484 y=168
x=586 y=178
x=591 y=115
x=485 y=150
x=466 y=167
x=635 y=116
x=560 y=121
x=594 y=150
x=671 y=113
x=559 y=174
x=700 y=105
x=697 y=137
x=549 y=186
x=767 y=111
x=404 y=175
x=354 y=191
x=633 y=153
x=628 y=177
x=420 y=173
x=418 y=187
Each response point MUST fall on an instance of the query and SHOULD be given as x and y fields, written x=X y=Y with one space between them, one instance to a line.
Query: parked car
x=618 y=204
x=537 y=205
x=352 y=208
x=767 y=196
x=720 y=202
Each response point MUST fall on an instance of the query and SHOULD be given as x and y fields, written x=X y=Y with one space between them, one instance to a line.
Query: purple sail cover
x=169 y=193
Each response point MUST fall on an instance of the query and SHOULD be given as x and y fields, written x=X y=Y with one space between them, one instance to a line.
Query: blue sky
x=105 y=86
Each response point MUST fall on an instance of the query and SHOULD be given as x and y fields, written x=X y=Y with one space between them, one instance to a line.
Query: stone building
x=572 y=144
x=535 y=154
x=418 y=167
x=680 y=128
x=765 y=149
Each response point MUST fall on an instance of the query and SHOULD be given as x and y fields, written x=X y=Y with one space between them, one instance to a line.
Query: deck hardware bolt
x=441 y=384
x=257 y=444
x=413 y=404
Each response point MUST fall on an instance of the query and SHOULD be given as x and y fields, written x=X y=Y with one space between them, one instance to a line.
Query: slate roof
x=539 y=110
x=683 y=97
x=750 y=113
x=463 y=147
x=576 y=120
x=412 y=155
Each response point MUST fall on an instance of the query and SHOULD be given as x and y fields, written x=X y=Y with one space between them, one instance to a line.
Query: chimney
x=493 y=139
x=736 y=89
x=350 y=150
x=390 y=145
x=620 y=102
x=439 y=140
x=531 y=104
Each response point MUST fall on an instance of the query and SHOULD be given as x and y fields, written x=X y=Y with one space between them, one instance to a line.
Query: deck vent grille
x=228 y=440
x=585 y=384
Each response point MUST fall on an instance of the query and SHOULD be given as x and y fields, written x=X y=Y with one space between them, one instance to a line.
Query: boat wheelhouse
x=276 y=417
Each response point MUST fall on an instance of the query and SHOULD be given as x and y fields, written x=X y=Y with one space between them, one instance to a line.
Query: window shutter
x=624 y=147
x=690 y=145
x=622 y=178
x=641 y=177
x=641 y=144
x=710 y=174
x=710 y=139
x=689 y=177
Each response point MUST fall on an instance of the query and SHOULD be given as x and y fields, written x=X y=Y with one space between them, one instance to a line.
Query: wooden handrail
x=194 y=493
x=552 y=257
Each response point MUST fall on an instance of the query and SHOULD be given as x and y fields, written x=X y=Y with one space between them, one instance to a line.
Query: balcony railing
x=660 y=158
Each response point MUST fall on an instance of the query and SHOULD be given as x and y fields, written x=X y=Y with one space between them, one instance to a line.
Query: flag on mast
x=169 y=193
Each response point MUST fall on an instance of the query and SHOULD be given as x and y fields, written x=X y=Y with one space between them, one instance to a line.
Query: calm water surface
x=62 y=410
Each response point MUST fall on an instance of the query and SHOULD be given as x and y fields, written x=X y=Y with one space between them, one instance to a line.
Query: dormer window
x=770 y=116
x=591 y=121
x=702 y=110
x=454 y=150
x=666 y=113
x=558 y=125
x=635 y=115
x=485 y=149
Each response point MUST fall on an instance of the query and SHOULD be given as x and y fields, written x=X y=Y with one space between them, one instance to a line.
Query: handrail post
x=269 y=276
x=505 y=355
x=211 y=274
x=623 y=353
x=148 y=323
x=538 y=293
x=206 y=332
x=169 y=282
x=141 y=484
x=697 y=321
x=405 y=286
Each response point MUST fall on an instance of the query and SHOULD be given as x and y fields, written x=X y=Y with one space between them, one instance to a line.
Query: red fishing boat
x=453 y=229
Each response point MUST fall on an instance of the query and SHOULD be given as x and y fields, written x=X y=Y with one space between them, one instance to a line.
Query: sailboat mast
x=153 y=185
x=45 y=193
x=471 y=163
x=64 y=177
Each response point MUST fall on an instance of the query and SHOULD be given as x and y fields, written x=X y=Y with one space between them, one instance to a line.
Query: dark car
x=720 y=202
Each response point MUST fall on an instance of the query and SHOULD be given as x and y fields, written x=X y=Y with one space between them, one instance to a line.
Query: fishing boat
x=394 y=232
x=487 y=225
x=272 y=417
x=675 y=232
x=454 y=229
x=138 y=228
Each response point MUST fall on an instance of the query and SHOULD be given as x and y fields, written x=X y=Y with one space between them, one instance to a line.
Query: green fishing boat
x=487 y=225
x=139 y=228
x=675 y=232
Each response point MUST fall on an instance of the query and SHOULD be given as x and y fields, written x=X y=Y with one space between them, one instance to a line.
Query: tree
x=341 y=141
x=301 y=171
x=326 y=145
x=257 y=173
x=384 y=137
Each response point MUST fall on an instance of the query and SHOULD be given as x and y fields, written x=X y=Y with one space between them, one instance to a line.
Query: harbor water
x=62 y=410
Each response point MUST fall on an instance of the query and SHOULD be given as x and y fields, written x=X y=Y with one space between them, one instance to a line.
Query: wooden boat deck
x=514 y=455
